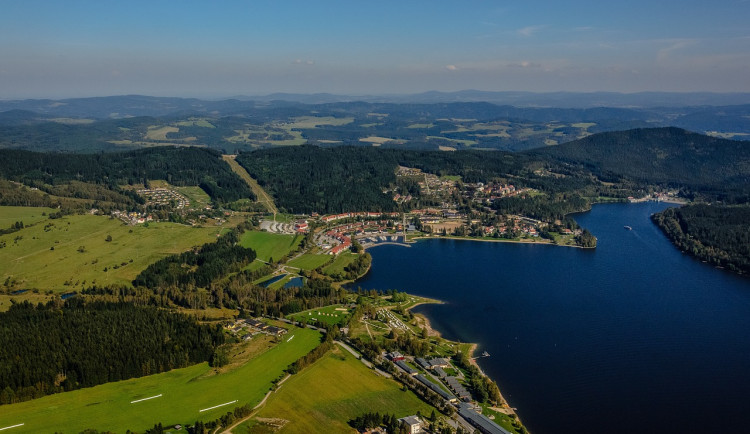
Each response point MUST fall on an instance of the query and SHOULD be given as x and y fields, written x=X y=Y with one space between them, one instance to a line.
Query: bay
x=633 y=336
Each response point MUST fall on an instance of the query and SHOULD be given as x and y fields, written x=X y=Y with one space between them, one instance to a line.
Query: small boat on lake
x=628 y=228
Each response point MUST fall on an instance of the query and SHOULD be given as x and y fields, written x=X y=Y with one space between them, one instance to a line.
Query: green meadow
x=73 y=252
x=309 y=261
x=336 y=389
x=26 y=214
x=268 y=245
x=334 y=314
x=341 y=261
x=184 y=392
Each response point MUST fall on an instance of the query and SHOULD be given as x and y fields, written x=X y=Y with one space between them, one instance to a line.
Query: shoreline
x=503 y=406
x=494 y=240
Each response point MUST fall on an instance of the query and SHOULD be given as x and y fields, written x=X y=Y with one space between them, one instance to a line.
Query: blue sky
x=224 y=48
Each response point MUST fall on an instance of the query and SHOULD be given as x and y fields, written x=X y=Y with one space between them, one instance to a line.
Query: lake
x=633 y=336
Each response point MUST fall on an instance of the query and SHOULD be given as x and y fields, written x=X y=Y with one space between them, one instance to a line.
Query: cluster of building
x=481 y=422
x=345 y=242
x=254 y=326
x=132 y=218
x=401 y=199
x=438 y=365
x=347 y=215
x=164 y=196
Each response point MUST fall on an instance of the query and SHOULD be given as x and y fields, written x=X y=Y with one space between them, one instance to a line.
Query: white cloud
x=451 y=67
x=304 y=62
x=525 y=64
x=529 y=30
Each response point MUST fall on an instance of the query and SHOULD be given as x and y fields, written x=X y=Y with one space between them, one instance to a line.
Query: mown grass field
x=309 y=261
x=337 y=388
x=268 y=245
x=72 y=252
x=341 y=261
x=26 y=214
x=184 y=393
x=327 y=314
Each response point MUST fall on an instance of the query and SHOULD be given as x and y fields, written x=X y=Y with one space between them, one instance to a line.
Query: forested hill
x=719 y=235
x=178 y=166
x=311 y=179
x=665 y=156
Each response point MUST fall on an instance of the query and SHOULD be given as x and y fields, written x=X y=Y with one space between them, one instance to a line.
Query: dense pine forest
x=716 y=234
x=309 y=179
x=49 y=349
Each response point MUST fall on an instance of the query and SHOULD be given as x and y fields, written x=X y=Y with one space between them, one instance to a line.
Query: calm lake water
x=633 y=336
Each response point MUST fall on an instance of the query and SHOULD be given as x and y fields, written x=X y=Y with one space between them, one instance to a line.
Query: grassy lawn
x=309 y=261
x=33 y=263
x=327 y=314
x=268 y=245
x=341 y=261
x=26 y=214
x=508 y=422
x=184 y=393
x=337 y=388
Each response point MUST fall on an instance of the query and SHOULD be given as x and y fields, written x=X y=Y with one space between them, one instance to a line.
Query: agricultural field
x=334 y=314
x=268 y=245
x=177 y=396
x=309 y=261
x=160 y=133
x=314 y=121
x=73 y=252
x=317 y=400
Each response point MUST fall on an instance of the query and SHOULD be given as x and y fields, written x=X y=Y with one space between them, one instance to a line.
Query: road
x=362 y=359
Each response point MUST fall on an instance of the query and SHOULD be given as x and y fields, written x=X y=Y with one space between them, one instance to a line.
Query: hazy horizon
x=217 y=50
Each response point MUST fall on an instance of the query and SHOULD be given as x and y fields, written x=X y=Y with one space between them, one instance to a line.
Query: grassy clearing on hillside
x=184 y=392
x=26 y=214
x=198 y=198
x=268 y=245
x=336 y=389
x=72 y=252
x=309 y=261
x=260 y=195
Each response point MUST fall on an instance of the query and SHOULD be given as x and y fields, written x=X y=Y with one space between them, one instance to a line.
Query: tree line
x=719 y=235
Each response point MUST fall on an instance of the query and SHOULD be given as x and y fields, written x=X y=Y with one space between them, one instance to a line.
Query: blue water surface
x=633 y=336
